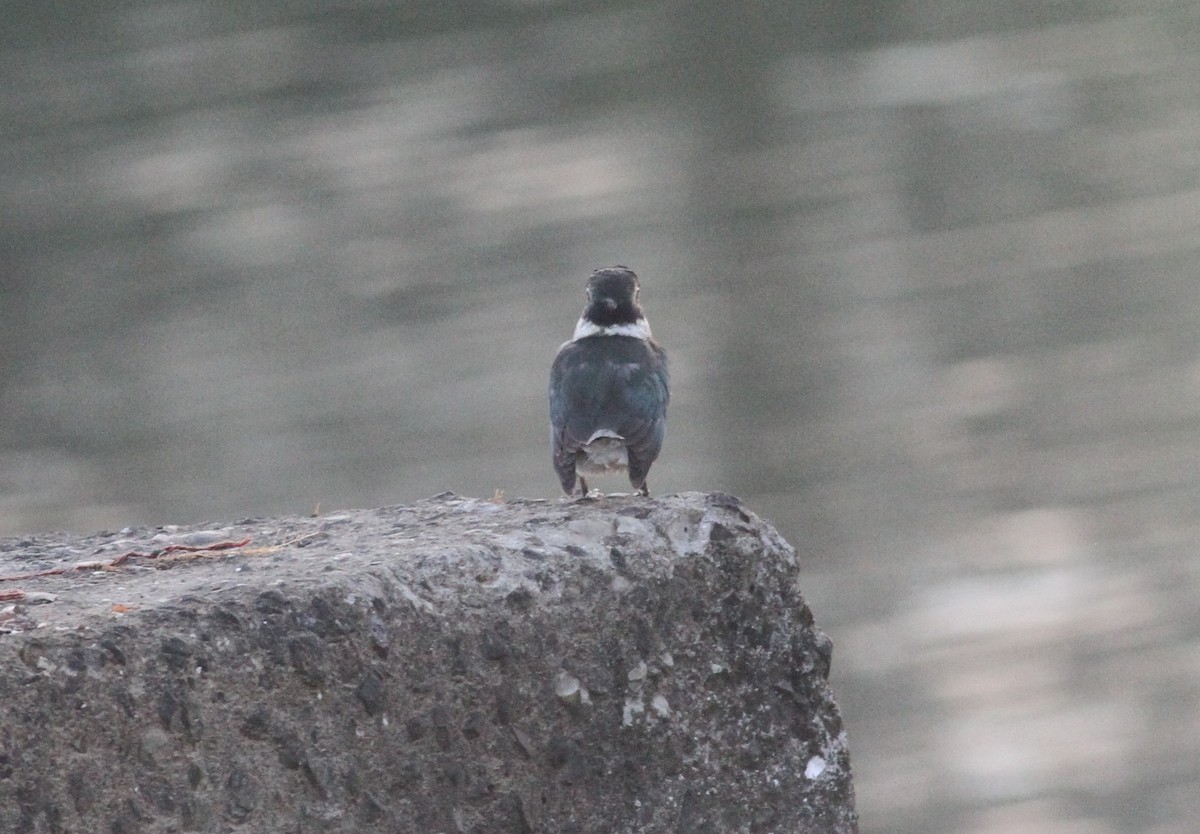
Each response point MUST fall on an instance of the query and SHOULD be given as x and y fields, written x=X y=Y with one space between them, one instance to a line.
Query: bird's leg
x=583 y=487
x=644 y=490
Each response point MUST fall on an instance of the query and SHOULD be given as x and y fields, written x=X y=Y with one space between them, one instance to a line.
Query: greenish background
x=927 y=273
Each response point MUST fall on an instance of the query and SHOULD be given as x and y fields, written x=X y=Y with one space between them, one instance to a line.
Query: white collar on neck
x=640 y=329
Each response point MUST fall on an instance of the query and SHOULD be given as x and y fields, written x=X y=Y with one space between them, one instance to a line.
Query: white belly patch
x=603 y=453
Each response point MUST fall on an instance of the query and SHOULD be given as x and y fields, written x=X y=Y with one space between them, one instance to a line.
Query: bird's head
x=612 y=295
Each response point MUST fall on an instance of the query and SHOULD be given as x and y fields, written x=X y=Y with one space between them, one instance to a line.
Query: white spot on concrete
x=633 y=708
x=689 y=535
x=570 y=689
x=592 y=529
x=629 y=526
x=815 y=767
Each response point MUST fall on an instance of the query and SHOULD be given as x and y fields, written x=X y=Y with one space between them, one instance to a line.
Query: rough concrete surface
x=608 y=665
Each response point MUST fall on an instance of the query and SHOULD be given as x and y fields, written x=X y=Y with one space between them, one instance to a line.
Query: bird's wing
x=620 y=385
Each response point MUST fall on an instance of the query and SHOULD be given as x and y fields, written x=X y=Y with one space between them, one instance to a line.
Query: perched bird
x=608 y=388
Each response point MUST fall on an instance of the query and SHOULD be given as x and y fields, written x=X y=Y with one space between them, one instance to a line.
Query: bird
x=609 y=388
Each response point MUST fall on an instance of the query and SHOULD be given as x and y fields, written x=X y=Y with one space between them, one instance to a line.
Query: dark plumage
x=608 y=388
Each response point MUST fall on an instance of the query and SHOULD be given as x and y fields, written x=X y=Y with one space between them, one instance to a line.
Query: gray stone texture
x=608 y=665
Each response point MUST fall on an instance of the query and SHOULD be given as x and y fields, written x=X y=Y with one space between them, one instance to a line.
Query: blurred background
x=927 y=273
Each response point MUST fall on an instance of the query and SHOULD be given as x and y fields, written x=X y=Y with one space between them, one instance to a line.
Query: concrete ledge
x=611 y=665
